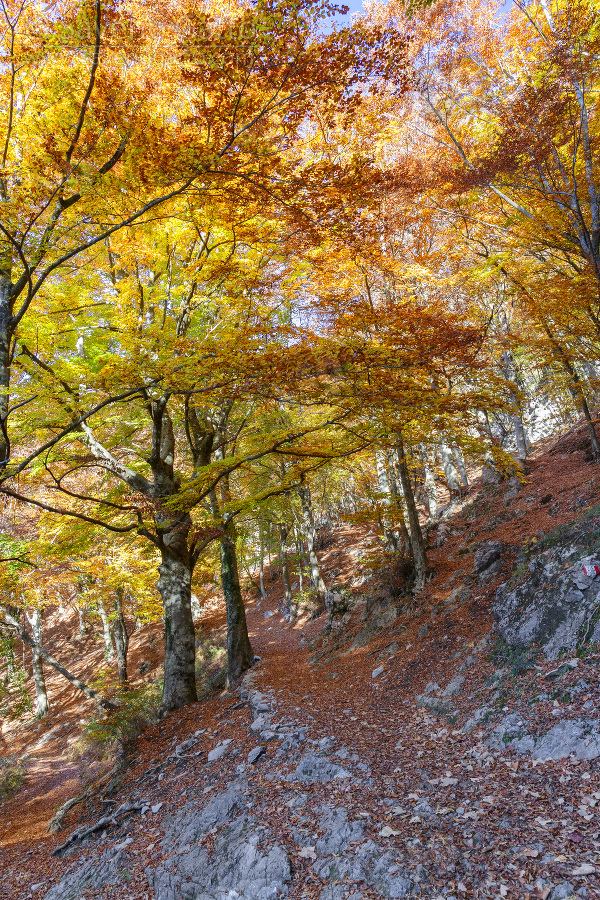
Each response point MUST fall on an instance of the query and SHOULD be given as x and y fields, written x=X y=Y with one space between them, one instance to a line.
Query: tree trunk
x=6 y=304
x=310 y=534
x=240 y=656
x=287 y=591
x=41 y=697
x=451 y=473
x=520 y=436
x=81 y=611
x=175 y=587
x=300 y=556
x=122 y=638
x=88 y=691
x=383 y=480
x=417 y=542
x=403 y=542
x=430 y=486
x=460 y=465
x=261 y=571
x=106 y=633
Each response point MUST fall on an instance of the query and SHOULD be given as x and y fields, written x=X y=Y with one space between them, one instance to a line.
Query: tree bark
x=122 y=638
x=310 y=534
x=240 y=655
x=6 y=304
x=451 y=473
x=106 y=633
x=520 y=436
x=430 y=486
x=417 y=542
x=41 y=696
x=81 y=611
x=261 y=571
x=175 y=587
x=287 y=591
x=460 y=465
x=88 y=691
x=383 y=480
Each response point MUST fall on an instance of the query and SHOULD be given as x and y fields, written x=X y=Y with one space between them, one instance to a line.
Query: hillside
x=397 y=750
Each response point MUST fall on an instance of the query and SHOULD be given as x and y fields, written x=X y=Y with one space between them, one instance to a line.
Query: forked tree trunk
x=310 y=534
x=26 y=637
x=417 y=542
x=240 y=656
x=41 y=697
x=460 y=465
x=520 y=436
x=175 y=587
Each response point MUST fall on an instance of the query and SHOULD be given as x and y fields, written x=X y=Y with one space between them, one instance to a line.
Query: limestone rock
x=219 y=751
x=438 y=707
x=255 y=754
x=314 y=768
x=487 y=562
x=551 y=608
x=93 y=874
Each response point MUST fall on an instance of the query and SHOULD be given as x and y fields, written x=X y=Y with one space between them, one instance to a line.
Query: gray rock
x=577 y=737
x=423 y=630
x=255 y=754
x=383 y=618
x=240 y=864
x=338 y=833
x=489 y=474
x=580 y=737
x=377 y=672
x=93 y=874
x=219 y=751
x=454 y=687
x=478 y=718
x=549 y=608
x=191 y=823
x=313 y=768
x=438 y=707
x=488 y=554
x=563 y=891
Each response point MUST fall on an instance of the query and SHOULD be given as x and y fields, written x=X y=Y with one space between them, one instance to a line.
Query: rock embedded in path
x=313 y=768
x=94 y=874
x=377 y=672
x=219 y=751
x=256 y=753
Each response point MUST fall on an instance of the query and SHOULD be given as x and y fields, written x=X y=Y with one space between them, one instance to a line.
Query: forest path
x=443 y=809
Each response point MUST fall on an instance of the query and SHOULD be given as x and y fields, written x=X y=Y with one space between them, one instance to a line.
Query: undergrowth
x=115 y=731
x=12 y=773
x=211 y=665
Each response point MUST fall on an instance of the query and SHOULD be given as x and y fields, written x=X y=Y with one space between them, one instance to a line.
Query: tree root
x=57 y=820
x=111 y=819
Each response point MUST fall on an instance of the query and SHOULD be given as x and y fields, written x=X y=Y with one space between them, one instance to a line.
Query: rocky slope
x=447 y=746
